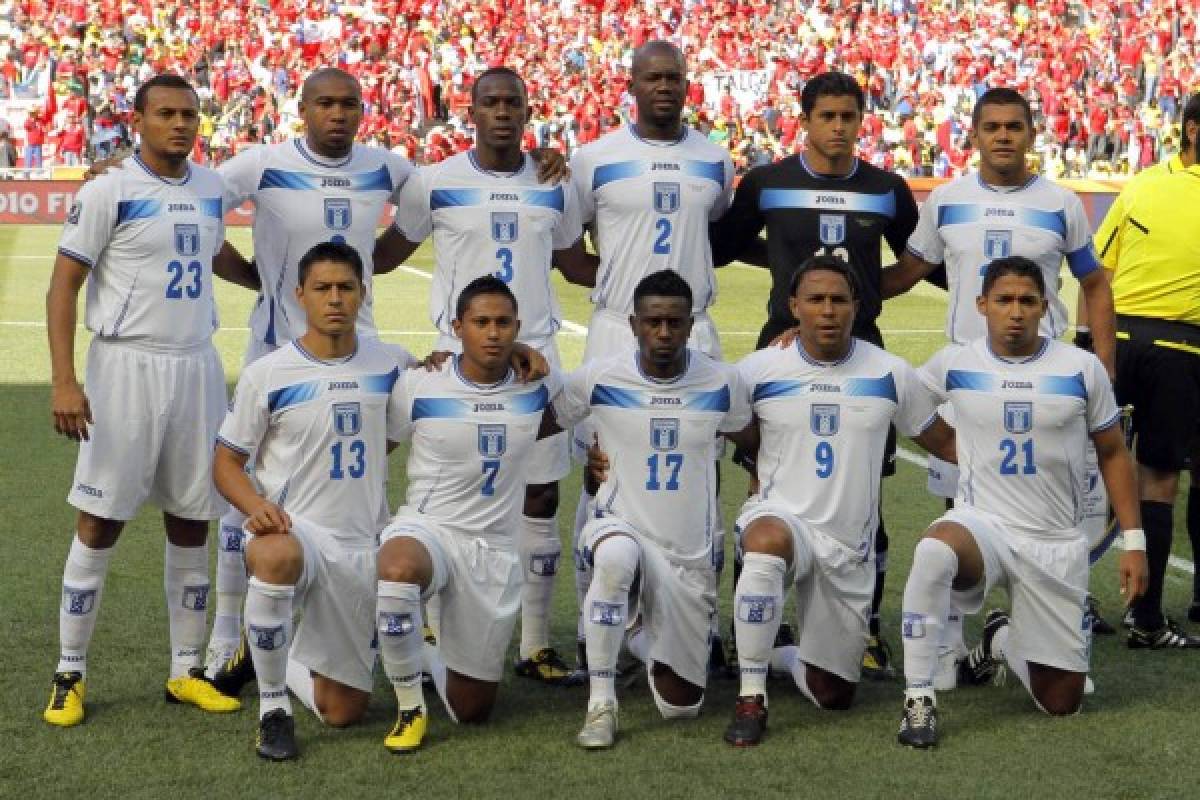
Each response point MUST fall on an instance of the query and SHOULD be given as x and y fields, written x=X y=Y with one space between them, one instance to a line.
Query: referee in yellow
x=1150 y=243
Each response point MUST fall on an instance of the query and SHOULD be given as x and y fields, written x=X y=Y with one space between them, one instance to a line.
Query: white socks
x=231 y=578
x=757 y=609
x=606 y=611
x=398 y=617
x=185 y=580
x=926 y=603
x=583 y=575
x=539 y=548
x=269 y=631
x=83 y=585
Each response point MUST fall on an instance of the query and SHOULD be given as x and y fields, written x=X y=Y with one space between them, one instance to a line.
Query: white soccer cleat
x=599 y=729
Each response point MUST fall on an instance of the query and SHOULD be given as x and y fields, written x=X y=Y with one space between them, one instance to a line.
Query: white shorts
x=1046 y=581
x=478 y=588
x=156 y=420
x=677 y=602
x=550 y=460
x=833 y=593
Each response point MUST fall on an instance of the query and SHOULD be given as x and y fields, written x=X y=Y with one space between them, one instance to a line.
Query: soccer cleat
x=1100 y=626
x=945 y=678
x=980 y=666
x=197 y=690
x=749 y=722
x=877 y=660
x=219 y=651
x=276 y=737
x=546 y=666
x=1169 y=637
x=233 y=675
x=67 y=690
x=1128 y=620
x=408 y=732
x=918 y=724
x=599 y=729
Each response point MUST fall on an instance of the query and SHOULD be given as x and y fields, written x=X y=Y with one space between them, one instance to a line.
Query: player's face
x=500 y=112
x=168 y=125
x=1003 y=137
x=662 y=326
x=824 y=307
x=833 y=126
x=330 y=296
x=488 y=328
x=332 y=111
x=659 y=86
x=1013 y=307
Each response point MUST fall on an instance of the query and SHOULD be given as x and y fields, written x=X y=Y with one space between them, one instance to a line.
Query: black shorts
x=1158 y=372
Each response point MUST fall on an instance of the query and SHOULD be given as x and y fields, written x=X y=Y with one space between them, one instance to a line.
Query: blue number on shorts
x=174 y=290
x=358 y=452
x=824 y=456
x=505 y=273
x=673 y=462
x=662 y=245
x=1009 y=465
x=491 y=467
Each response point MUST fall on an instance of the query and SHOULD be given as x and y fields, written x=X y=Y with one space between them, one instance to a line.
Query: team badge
x=755 y=608
x=544 y=564
x=1018 y=417
x=504 y=226
x=666 y=198
x=347 y=418
x=833 y=229
x=391 y=624
x=664 y=434
x=78 y=602
x=187 y=240
x=268 y=638
x=231 y=539
x=997 y=244
x=73 y=214
x=337 y=213
x=912 y=626
x=607 y=613
x=493 y=439
x=195 y=598
x=823 y=418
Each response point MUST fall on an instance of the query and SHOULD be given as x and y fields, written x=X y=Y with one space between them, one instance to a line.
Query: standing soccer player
x=1025 y=407
x=823 y=408
x=143 y=237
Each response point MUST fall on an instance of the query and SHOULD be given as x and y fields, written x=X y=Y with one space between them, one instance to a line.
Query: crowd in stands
x=1106 y=77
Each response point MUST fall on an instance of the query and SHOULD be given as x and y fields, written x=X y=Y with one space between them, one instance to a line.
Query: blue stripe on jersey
x=454 y=198
x=210 y=207
x=379 y=180
x=1083 y=262
x=828 y=200
x=710 y=400
x=968 y=213
x=607 y=173
x=530 y=402
x=612 y=396
x=1065 y=385
x=709 y=170
x=971 y=381
x=379 y=384
x=454 y=408
x=772 y=389
x=713 y=400
x=884 y=387
x=439 y=408
x=129 y=210
x=545 y=198
x=462 y=198
x=292 y=395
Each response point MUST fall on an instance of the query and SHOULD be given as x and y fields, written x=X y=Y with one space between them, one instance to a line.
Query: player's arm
x=732 y=236
x=229 y=475
x=68 y=403
x=937 y=439
x=1120 y=480
x=904 y=274
x=746 y=442
x=391 y=250
x=230 y=265
x=596 y=471
x=1101 y=317
x=754 y=253
x=577 y=265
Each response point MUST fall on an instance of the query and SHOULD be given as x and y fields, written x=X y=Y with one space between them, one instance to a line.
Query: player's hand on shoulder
x=433 y=362
x=529 y=364
x=786 y=339
x=268 y=519
x=102 y=166
x=597 y=464
x=70 y=410
x=551 y=165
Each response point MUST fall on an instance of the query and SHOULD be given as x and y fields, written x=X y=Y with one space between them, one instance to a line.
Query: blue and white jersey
x=317 y=433
x=651 y=203
x=149 y=242
x=302 y=199
x=470 y=447
x=487 y=223
x=966 y=224
x=659 y=439
x=824 y=429
x=1023 y=428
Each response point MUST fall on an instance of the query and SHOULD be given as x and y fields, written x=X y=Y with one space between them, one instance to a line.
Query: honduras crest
x=603 y=613
x=195 y=598
x=337 y=213
x=504 y=226
x=271 y=638
x=391 y=624
x=666 y=198
x=823 y=418
x=664 y=434
x=833 y=229
x=1018 y=417
x=78 y=602
x=347 y=418
x=756 y=609
x=187 y=239
x=997 y=244
x=493 y=440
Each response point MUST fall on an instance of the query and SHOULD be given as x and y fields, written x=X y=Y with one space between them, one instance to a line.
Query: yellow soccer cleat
x=197 y=690
x=409 y=732
x=67 y=691
x=546 y=666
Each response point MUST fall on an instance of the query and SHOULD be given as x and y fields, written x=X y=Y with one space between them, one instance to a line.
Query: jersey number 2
x=175 y=289
x=662 y=244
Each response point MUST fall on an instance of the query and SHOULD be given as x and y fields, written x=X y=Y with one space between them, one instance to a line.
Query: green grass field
x=1130 y=742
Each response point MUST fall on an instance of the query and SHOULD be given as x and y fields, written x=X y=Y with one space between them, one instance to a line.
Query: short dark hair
x=1191 y=113
x=164 y=81
x=823 y=263
x=831 y=84
x=336 y=252
x=1001 y=96
x=1020 y=266
x=664 y=283
x=492 y=72
x=488 y=284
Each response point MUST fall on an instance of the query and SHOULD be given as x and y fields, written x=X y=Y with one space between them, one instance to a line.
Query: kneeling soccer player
x=1025 y=407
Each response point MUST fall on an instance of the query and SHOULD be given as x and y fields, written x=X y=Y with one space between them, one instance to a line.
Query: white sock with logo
x=82 y=588
x=757 y=609
x=269 y=632
x=605 y=609
x=185 y=581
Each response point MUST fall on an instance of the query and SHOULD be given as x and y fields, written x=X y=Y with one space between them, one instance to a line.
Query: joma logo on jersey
x=180 y=207
x=831 y=199
x=337 y=213
x=504 y=226
x=664 y=434
x=493 y=440
x=756 y=609
x=666 y=198
x=91 y=491
x=195 y=598
x=505 y=197
x=1016 y=385
x=336 y=385
x=831 y=388
x=187 y=239
x=78 y=602
x=347 y=418
x=666 y=401
x=997 y=244
x=999 y=212
x=667 y=165
x=823 y=418
x=1018 y=417
x=489 y=407
x=335 y=183
x=391 y=624
x=833 y=228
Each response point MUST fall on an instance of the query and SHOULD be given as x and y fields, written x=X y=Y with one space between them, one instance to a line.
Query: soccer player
x=316 y=417
x=489 y=214
x=473 y=430
x=823 y=408
x=143 y=237
x=651 y=543
x=1025 y=407
x=824 y=201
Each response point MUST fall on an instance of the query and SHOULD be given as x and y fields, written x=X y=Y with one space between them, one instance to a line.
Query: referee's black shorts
x=1158 y=372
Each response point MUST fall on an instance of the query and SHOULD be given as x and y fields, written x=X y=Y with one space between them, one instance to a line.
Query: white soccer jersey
x=966 y=224
x=486 y=223
x=1023 y=429
x=317 y=432
x=652 y=202
x=470 y=444
x=824 y=428
x=659 y=439
x=150 y=243
x=302 y=199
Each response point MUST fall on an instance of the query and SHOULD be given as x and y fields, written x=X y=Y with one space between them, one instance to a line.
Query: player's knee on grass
x=405 y=560
x=338 y=704
x=966 y=550
x=98 y=533
x=770 y=536
x=831 y=692
x=1057 y=692
x=277 y=558
x=675 y=697
x=471 y=700
x=541 y=500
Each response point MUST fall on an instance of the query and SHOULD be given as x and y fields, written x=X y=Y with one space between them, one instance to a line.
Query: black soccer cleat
x=980 y=666
x=232 y=676
x=1169 y=637
x=276 y=739
x=749 y=722
x=877 y=660
x=1100 y=626
x=918 y=724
